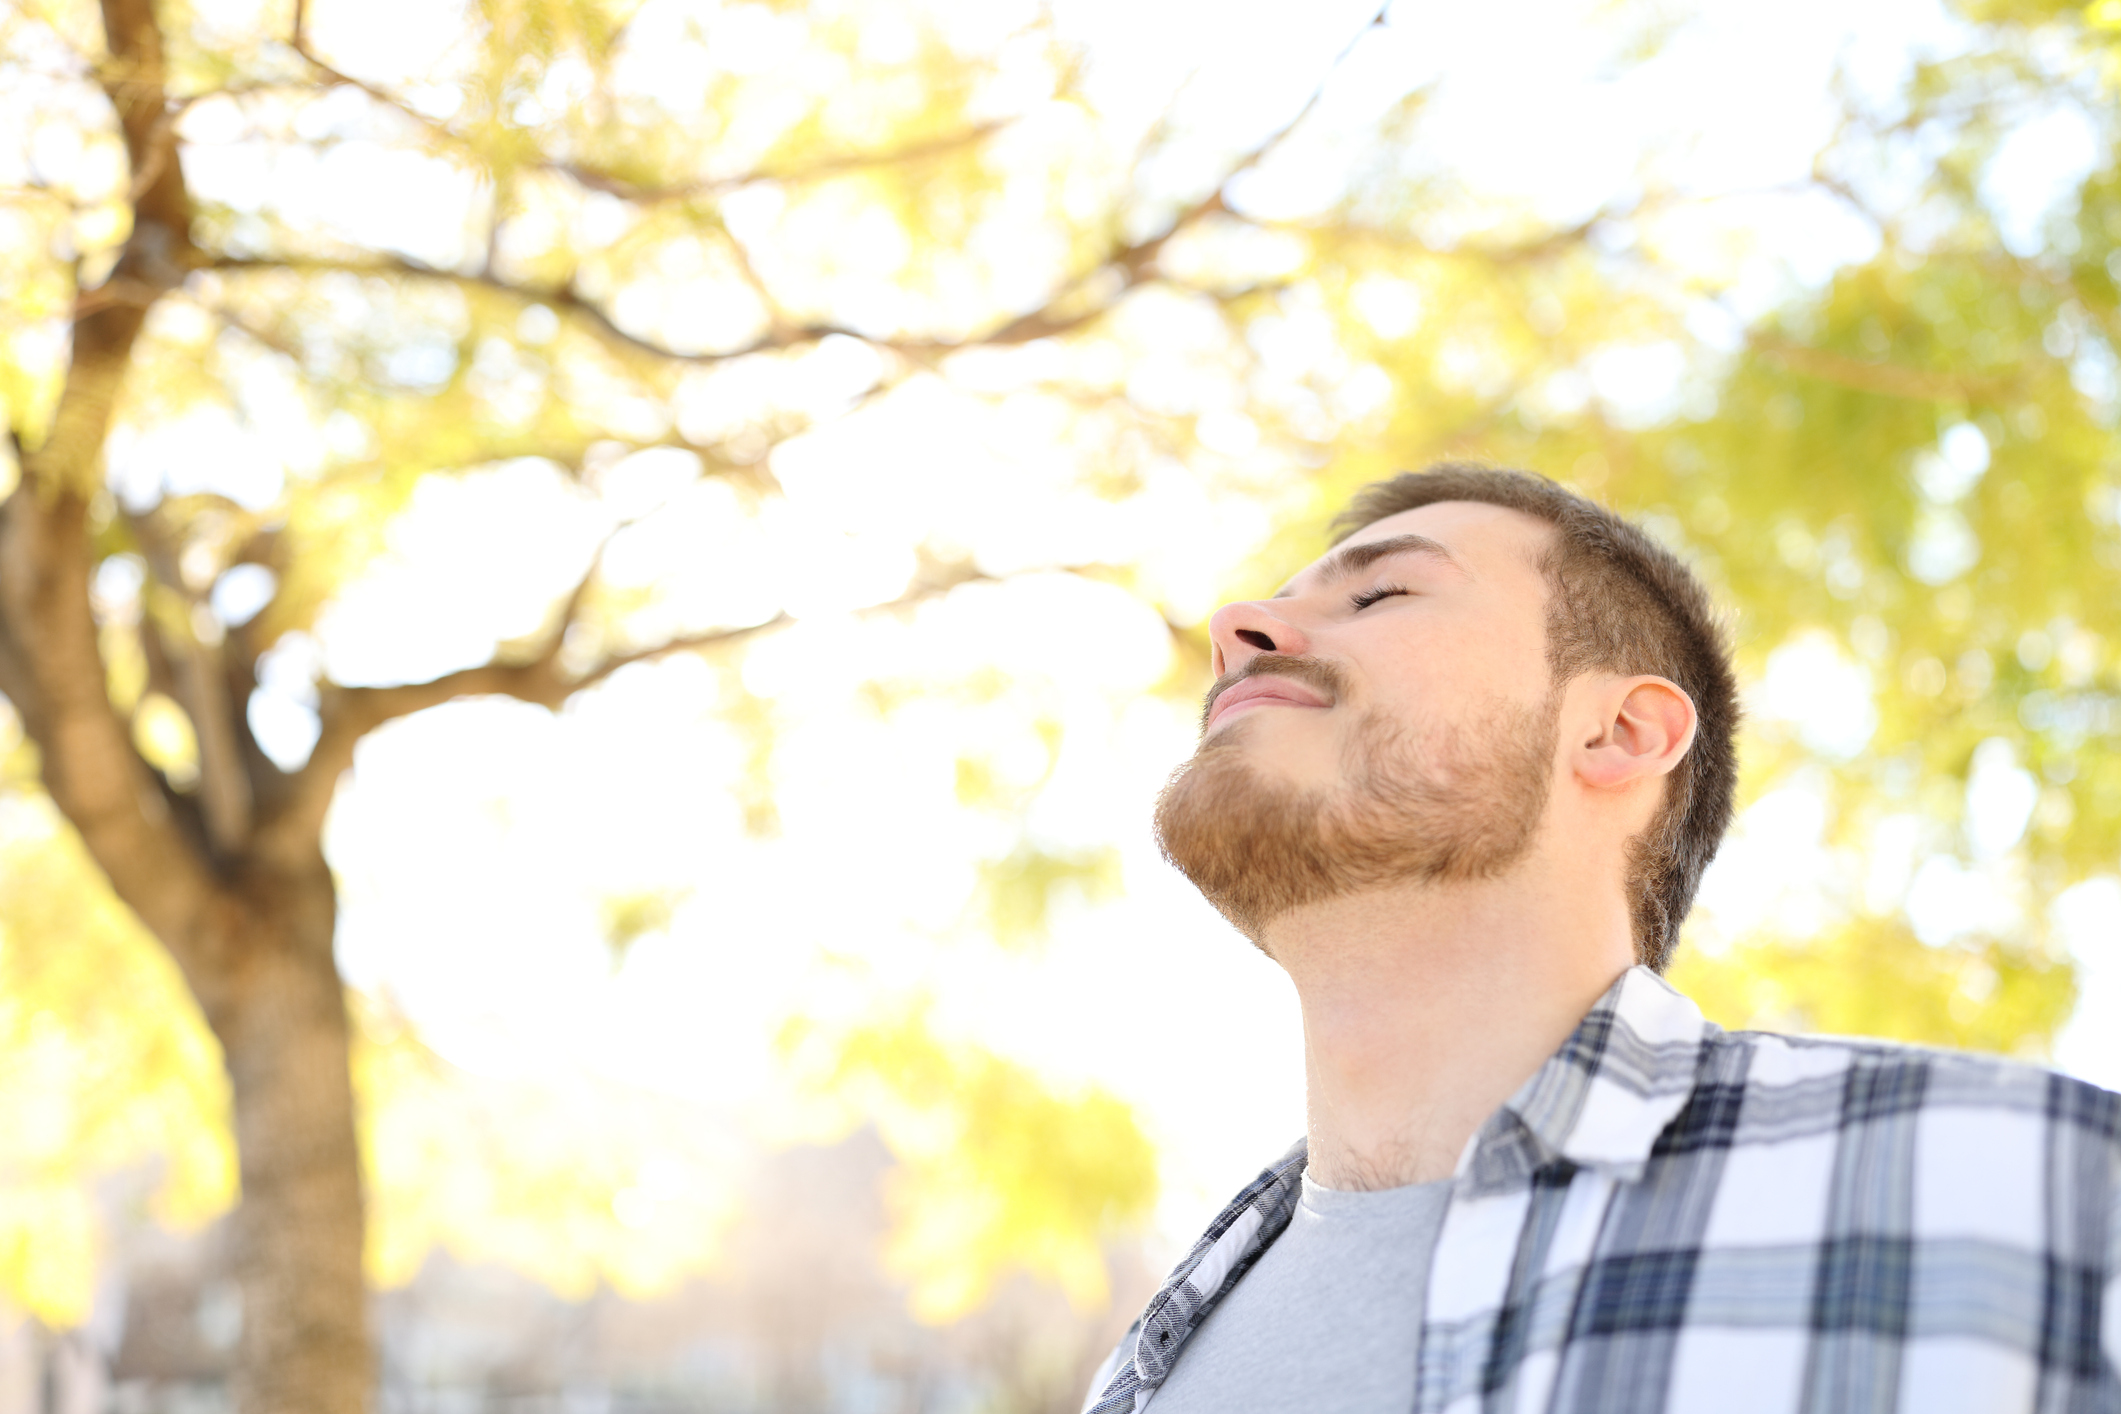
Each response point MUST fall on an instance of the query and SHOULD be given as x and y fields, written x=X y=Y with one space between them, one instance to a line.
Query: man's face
x=1389 y=715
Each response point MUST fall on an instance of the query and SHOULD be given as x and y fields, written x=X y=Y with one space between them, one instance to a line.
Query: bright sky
x=477 y=843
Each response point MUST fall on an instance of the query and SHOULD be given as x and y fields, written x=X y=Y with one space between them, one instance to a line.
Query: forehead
x=1490 y=544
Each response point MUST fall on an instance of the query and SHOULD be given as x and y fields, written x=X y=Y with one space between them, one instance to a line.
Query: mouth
x=1263 y=690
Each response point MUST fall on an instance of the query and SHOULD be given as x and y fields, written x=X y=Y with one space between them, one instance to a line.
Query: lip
x=1263 y=691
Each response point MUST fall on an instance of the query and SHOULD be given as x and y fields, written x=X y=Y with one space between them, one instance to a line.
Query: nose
x=1241 y=632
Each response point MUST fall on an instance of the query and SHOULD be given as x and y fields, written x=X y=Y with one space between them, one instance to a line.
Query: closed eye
x=1370 y=596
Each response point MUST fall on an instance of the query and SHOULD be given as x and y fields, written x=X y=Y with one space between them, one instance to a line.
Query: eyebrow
x=1354 y=559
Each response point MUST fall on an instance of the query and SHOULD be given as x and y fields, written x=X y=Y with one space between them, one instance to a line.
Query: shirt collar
x=1602 y=1099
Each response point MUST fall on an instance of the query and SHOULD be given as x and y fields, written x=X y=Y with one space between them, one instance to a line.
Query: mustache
x=1319 y=673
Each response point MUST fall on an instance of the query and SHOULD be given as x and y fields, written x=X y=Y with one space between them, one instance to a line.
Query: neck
x=1425 y=1007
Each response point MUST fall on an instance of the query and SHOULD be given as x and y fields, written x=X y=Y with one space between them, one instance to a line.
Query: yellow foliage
x=105 y=1066
x=573 y=1184
x=627 y=918
x=996 y=1171
x=49 y=1238
x=126 y=665
x=1020 y=889
x=1873 y=977
x=164 y=736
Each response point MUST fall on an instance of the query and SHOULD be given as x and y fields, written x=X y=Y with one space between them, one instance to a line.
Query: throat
x=1412 y=1039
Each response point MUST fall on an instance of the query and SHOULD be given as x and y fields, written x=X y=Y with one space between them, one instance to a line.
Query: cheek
x=1503 y=657
x=1464 y=663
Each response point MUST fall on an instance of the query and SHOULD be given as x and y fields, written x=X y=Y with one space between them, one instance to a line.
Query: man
x=1460 y=778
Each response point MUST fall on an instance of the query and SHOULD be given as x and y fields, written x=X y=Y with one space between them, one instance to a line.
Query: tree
x=1947 y=409
x=521 y=345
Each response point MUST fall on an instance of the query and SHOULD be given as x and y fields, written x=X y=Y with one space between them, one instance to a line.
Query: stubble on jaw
x=1422 y=802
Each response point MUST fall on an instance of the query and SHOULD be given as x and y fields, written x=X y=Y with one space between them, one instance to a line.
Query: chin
x=1278 y=744
x=1246 y=839
x=1258 y=840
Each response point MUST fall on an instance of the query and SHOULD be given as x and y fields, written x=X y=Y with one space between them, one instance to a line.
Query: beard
x=1419 y=803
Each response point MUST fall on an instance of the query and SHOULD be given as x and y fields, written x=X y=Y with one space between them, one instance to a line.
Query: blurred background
x=705 y=512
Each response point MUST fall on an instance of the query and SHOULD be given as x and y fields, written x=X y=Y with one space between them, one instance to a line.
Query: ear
x=1641 y=731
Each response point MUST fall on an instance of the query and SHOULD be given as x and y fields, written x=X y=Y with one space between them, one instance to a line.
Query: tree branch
x=56 y=673
x=1136 y=263
x=563 y=298
x=202 y=683
x=684 y=643
x=152 y=262
x=134 y=81
x=350 y=713
x=89 y=765
x=1546 y=245
x=840 y=166
x=158 y=148
x=644 y=194
x=118 y=292
x=265 y=339
x=298 y=40
x=1893 y=380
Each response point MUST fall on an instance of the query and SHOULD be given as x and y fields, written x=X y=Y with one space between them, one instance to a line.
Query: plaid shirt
x=1672 y=1217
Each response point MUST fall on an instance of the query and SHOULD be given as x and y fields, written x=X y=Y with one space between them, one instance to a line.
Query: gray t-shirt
x=1329 y=1318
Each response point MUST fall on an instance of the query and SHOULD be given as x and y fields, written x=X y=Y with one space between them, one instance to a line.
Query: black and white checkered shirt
x=1671 y=1217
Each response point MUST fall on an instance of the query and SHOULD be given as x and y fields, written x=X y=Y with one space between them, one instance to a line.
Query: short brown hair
x=1621 y=603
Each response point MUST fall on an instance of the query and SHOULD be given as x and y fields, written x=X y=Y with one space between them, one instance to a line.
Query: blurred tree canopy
x=274 y=274
x=1000 y=1173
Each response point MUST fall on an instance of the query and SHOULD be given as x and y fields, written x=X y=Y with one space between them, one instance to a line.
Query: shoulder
x=1774 y=1086
x=1769 y=1058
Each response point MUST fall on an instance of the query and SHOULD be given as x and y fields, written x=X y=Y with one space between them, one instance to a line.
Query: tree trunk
x=284 y=1034
x=251 y=933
